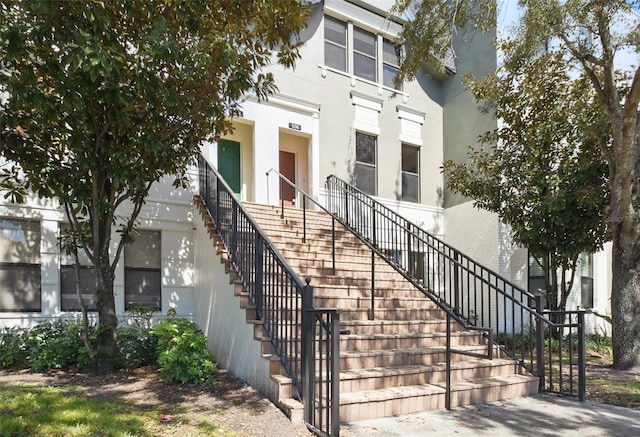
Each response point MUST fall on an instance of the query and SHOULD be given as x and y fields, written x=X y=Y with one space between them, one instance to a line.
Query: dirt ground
x=234 y=406
x=236 y=409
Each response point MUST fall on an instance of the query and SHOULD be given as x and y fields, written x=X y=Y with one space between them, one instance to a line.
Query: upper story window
x=335 y=44
x=142 y=275
x=390 y=62
x=365 y=168
x=20 y=276
x=361 y=53
x=410 y=173
x=364 y=54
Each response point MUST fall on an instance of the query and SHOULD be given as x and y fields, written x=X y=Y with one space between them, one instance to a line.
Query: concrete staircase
x=394 y=362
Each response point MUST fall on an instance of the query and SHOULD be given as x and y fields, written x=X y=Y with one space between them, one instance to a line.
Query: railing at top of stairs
x=548 y=344
x=297 y=331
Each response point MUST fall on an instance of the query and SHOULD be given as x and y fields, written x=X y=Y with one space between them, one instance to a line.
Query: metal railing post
x=304 y=218
x=582 y=377
x=447 y=393
x=540 y=368
x=281 y=199
x=373 y=286
x=259 y=288
x=234 y=233
x=308 y=359
x=333 y=244
x=335 y=375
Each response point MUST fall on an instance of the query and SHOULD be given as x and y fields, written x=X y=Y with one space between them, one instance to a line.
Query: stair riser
x=413 y=404
x=437 y=377
x=401 y=358
x=354 y=344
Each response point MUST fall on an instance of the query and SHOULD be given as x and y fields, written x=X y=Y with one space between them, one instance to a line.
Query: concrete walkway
x=537 y=416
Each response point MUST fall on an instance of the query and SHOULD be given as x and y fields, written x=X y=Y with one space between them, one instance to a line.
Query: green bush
x=57 y=345
x=12 y=348
x=182 y=350
x=136 y=346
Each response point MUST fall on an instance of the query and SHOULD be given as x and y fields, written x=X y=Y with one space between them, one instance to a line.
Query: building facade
x=337 y=113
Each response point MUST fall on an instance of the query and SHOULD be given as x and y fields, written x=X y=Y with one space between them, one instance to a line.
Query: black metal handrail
x=375 y=252
x=476 y=295
x=282 y=301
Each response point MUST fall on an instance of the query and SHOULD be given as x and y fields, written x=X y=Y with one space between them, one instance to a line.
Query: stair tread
x=429 y=389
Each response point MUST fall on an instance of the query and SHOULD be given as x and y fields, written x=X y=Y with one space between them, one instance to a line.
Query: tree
x=542 y=172
x=103 y=99
x=592 y=36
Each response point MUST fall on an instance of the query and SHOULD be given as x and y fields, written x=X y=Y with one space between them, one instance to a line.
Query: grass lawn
x=49 y=411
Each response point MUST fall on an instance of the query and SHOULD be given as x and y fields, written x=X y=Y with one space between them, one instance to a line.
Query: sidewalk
x=538 y=416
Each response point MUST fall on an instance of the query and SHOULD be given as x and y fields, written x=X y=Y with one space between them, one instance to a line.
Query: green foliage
x=183 y=355
x=598 y=343
x=429 y=35
x=136 y=347
x=102 y=99
x=542 y=171
x=13 y=354
x=56 y=345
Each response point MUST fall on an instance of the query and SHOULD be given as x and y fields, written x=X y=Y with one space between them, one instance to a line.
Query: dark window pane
x=335 y=31
x=366 y=178
x=389 y=74
x=142 y=274
x=335 y=44
x=410 y=187
x=365 y=148
x=364 y=42
x=364 y=67
x=335 y=56
x=587 y=292
x=68 y=297
x=410 y=159
x=142 y=287
x=20 y=287
x=19 y=241
x=390 y=53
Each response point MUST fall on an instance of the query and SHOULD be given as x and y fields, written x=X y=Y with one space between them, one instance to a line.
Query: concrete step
x=394 y=401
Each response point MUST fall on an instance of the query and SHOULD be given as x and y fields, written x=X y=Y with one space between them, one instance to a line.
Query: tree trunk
x=107 y=319
x=625 y=304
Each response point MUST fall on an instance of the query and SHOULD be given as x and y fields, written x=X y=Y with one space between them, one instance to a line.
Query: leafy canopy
x=101 y=99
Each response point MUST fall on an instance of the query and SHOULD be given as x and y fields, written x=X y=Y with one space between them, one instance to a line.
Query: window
x=390 y=62
x=586 y=280
x=364 y=54
x=142 y=275
x=365 y=168
x=335 y=44
x=410 y=173
x=68 y=298
x=536 y=277
x=20 y=265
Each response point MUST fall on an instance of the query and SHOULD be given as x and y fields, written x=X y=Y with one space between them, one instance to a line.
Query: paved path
x=538 y=416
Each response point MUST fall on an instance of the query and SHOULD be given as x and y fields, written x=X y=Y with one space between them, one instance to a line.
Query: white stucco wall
x=220 y=317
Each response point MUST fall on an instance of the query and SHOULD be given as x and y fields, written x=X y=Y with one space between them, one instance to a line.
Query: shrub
x=183 y=355
x=57 y=345
x=12 y=348
x=136 y=346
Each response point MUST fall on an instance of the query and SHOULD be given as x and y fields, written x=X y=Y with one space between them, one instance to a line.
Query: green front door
x=229 y=163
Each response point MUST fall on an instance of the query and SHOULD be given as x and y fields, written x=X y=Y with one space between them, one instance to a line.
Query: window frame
x=364 y=55
x=388 y=64
x=130 y=270
x=343 y=46
x=408 y=173
x=367 y=165
x=30 y=267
